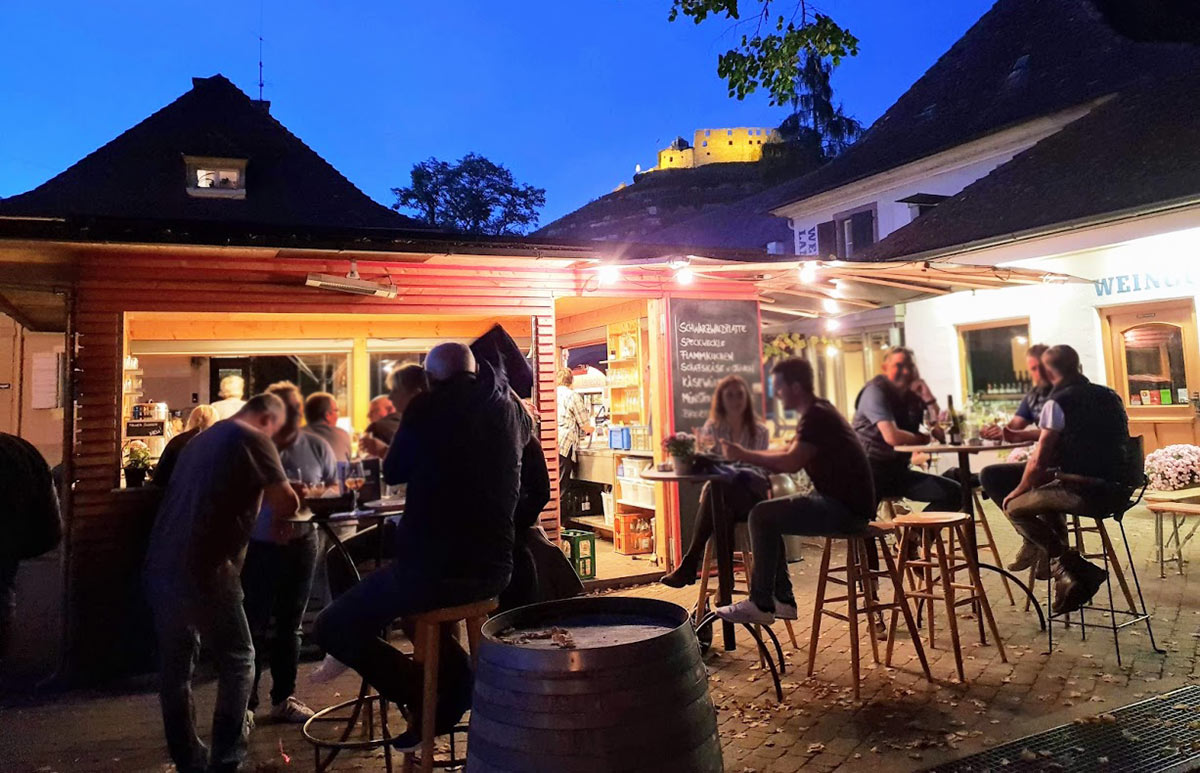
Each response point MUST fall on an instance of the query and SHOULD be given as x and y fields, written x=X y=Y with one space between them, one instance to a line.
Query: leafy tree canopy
x=472 y=196
x=770 y=56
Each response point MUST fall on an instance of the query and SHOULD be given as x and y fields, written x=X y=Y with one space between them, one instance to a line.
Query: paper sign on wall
x=46 y=384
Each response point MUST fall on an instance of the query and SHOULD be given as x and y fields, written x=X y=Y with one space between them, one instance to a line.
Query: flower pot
x=682 y=464
x=134 y=477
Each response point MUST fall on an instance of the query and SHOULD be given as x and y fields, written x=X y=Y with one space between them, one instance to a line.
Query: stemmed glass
x=355 y=479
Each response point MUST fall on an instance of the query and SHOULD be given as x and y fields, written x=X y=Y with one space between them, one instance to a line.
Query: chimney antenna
x=260 y=49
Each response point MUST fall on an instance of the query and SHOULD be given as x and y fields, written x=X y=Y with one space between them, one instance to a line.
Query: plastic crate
x=629 y=536
x=579 y=547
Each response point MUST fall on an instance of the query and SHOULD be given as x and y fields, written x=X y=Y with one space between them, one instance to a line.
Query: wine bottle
x=955 y=435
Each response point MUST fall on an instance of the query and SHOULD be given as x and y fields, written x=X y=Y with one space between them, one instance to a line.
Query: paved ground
x=902 y=723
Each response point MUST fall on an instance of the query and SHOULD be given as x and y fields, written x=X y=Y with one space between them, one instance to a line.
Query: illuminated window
x=216 y=177
x=729 y=132
x=994 y=360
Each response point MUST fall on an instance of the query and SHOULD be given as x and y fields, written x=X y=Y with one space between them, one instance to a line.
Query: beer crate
x=579 y=547
x=632 y=534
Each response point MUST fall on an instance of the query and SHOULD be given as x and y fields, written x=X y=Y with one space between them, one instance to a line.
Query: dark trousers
x=942 y=494
x=183 y=615
x=999 y=480
x=277 y=581
x=350 y=630
x=806 y=515
x=375 y=543
x=8 y=600
x=737 y=500
x=566 y=468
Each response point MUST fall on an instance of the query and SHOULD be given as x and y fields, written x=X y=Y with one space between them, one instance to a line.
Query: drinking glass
x=355 y=479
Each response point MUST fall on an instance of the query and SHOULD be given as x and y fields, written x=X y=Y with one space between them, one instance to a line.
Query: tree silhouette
x=472 y=196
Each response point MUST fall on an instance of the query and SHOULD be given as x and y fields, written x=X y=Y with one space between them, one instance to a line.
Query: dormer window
x=217 y=178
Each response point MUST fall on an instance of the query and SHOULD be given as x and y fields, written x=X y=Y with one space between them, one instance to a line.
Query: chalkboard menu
x=709 y=341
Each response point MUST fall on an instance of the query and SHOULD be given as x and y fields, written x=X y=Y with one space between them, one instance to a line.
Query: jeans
x=374 y=543
x=351 y=630
x=8 y=600
x=737 y=501
x=999 y=480
x=1038 y=515
x=277 y=581
x=183 y=614
x=942 y=494
x=809 y=515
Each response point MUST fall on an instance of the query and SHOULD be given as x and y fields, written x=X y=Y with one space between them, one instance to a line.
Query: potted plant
x=1174 y=467
x=681 y=447
x=137 y=463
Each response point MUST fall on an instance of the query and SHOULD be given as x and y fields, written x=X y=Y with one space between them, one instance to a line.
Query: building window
x=993 y=360
x=731 y=142
x=216 y=177
x=707 y=132
x=704 y=144
x=729 y=132
x=1154 y=364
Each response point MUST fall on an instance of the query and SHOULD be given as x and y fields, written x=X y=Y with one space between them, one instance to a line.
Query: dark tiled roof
x=738 y=225
x=674 y=201
x=1021 y=60
x=141 y=174
x=1139 y=150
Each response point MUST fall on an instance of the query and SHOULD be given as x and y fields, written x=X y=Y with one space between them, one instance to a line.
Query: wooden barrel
x=631 y=695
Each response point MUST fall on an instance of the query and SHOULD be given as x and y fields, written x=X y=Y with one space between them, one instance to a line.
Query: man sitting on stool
x=1084 y=432
x=459 y=450
x=843 y=502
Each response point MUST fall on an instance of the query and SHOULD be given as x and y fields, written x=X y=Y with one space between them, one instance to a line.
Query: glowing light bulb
x=608 y=274
x=1021 y=340
x=831 y=351
x=808 y=271
x=832 y=325
x=684 y=276
x=831 y=306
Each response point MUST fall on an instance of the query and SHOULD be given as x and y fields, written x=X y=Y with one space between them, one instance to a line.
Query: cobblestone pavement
x=901 y=723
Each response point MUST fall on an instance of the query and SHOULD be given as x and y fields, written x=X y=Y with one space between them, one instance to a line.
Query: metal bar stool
x=862 y=598
x=427 y=636
x=937 y=567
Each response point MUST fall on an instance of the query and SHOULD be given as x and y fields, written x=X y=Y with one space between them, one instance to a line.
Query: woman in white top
x=730 y=418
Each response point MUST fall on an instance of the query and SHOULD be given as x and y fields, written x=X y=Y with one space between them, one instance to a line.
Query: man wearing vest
x=888 y=413
x=1084 y=432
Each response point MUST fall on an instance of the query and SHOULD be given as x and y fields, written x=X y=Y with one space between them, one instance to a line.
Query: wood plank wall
x=108 y=529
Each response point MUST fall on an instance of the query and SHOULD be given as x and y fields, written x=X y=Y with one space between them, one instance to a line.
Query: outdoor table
x=1181 y=502
x=965 y=452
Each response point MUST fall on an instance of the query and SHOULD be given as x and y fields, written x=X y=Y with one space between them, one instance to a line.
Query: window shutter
x=862 y=230
x=827 y=239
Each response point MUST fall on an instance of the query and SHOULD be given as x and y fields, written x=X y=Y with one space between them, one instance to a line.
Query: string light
x=832 y=325
x=684 y=276
x=831 y=351
x=608 y=274
x=830 y=306
x=808 y=272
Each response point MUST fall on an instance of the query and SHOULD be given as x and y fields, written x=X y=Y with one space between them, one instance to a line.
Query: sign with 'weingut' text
x=1119 y=284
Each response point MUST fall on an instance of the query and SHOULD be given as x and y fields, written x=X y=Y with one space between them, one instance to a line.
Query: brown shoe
x=1075 y=582
x=1041 y=567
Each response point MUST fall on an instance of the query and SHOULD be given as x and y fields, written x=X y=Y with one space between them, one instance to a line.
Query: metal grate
x=1158 y=734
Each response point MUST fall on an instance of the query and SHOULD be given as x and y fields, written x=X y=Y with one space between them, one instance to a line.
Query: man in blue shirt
x=888 y=413
x=278 y=575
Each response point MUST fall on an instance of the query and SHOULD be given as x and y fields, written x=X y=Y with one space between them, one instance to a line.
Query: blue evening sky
x=569 y=94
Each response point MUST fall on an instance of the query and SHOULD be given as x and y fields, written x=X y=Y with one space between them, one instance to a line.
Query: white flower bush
x=1174 y=467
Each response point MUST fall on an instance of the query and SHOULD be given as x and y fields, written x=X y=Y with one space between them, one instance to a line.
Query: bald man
x=459 y=449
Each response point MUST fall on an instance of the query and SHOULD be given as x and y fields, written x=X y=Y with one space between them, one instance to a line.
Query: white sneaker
x=291 y=711
x=785 y=611
x=248 y=724
x=745 y=611
x=331 y=668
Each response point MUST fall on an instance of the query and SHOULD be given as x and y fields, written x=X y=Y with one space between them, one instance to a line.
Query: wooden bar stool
x=862 y=597
x=427 y=634
x=741 y=536
x=936 y=569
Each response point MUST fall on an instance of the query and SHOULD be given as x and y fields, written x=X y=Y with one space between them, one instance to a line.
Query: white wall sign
x=1119 y=284
x=806 y=241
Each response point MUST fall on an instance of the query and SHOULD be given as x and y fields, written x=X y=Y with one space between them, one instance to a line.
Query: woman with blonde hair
x=201 y=418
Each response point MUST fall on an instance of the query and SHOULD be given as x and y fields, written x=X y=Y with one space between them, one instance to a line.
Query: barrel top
x=585 y=623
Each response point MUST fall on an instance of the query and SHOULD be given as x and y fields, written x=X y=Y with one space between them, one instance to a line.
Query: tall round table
x=965 y=452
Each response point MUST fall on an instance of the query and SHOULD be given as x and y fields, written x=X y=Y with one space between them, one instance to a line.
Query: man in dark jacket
x=29 y=517
x=1084 y=433
x=459 y=451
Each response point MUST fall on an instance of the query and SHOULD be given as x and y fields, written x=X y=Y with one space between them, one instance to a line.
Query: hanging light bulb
x=832 y=325
x=831 y=306
x=608 y=274
x=831 y=351
x=808 y=271
x=684 y=276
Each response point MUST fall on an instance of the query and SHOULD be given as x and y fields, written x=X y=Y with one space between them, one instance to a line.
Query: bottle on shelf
x=955 y=433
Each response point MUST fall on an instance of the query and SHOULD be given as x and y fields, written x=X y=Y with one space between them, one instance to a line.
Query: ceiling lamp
x=608 y=274
x=808 y=271
x=830 y=305
x=832 y=325
x=684 y=275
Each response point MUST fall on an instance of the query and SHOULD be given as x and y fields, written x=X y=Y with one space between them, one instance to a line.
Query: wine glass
x=316 y=486
x=355 y=479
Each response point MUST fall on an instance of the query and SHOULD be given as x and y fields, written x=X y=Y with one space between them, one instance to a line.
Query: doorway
x=1152 y=359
